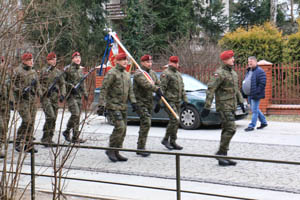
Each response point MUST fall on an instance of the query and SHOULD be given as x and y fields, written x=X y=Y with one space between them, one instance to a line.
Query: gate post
x=264 y=103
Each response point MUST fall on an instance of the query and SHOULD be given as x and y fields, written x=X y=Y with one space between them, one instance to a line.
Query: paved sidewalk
x=255 y=180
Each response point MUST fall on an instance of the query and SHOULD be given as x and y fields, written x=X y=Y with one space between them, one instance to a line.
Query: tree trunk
x=292 y=11
x=273 y=11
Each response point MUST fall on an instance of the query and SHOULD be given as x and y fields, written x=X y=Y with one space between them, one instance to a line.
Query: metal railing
x=177 y=155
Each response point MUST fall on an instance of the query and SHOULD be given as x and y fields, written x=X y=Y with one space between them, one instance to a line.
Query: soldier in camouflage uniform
x=143 y=91
x=224 y=86
x=50 y=101
x=173 y=89
x=115 y=91
x=72 y=76
x=26 y=90
x=5 y=107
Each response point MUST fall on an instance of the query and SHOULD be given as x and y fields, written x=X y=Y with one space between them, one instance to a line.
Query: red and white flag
x=115 y=50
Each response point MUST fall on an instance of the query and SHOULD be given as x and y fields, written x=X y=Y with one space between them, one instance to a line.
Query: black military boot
x=176 y=146
x=120 y=157
x=143 y=154
x=18 y=147
x=66 y=134
x=231 y=162
x=111 y=154
x=28 y=148
x=2 y=155
x=222 y=161
x=77 y=140
x=167 y=144
x=47 y=142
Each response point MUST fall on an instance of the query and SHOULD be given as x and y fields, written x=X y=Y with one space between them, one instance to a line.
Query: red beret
x=226 y=55
x=174 y=59
x=51 y=56
x=146 y=58
x=75 y=54
x=121 y=56
x=26 y=56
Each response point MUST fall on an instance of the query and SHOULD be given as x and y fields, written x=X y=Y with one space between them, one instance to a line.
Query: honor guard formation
x=52 y=86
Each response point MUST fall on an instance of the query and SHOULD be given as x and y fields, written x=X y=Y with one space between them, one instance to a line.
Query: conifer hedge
x=292 y=47
x=265 y=42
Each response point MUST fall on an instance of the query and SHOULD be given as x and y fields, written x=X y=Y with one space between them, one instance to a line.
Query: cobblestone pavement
x=269 y=176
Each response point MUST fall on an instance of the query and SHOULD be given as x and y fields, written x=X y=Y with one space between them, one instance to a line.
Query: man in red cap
x=26 y=89
x=72 y=75
x=145 y=82
x=173 y=89
x=223 y=85
x=115 y=92
x=50 y=100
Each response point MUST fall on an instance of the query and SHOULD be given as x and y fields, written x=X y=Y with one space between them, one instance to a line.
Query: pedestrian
x=172 y=87
x=26 y=92
x=143 y=91
x=254 y=87
x=5 y=105
x=72 y=75
x=223 y=85
x=115 y=92
x=50 y=100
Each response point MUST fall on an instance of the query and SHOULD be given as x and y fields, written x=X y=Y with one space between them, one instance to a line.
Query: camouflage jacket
x=224 y=86
x=48 y=74
x=116 y=89
x=143 y=89
x=73 y=74
x=4 y=92
x=172 y=85
x=25 y=76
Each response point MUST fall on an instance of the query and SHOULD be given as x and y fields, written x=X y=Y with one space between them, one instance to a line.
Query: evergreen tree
x=68 y=26
x=151 y=24
x=137 y=29
x=246 y=13
x=211 y=19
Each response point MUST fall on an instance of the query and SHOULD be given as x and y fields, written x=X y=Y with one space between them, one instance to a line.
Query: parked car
x=190 y=115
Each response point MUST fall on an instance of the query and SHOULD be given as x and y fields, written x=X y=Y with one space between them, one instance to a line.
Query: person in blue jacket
x=254 y=88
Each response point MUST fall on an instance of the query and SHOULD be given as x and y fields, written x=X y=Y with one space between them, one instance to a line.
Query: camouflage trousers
x=172 y=128
x=228 y=130
x=74 y=105
x=4 y=121
x=119 y=120
x=50 y=109
x=145 y=124
x=27 y=111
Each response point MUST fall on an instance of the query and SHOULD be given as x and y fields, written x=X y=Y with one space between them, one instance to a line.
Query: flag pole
x=138 y=66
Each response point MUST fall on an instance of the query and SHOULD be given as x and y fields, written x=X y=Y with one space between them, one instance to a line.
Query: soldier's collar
x=227 y=67
x=172 y=68
x=120 y=68
x=51 y=67
x=75 y=65
x=145 y=68
x=26 y=67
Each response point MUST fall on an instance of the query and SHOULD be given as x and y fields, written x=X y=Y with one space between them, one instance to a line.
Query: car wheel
x=189 y=118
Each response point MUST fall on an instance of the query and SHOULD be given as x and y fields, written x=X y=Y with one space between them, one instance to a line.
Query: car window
x=192 y=84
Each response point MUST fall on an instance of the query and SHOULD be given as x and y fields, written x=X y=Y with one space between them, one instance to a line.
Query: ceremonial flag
x=115 y=49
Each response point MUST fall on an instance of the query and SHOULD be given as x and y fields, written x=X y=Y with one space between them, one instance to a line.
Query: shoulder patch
x=216 y=75
x=163 y=75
